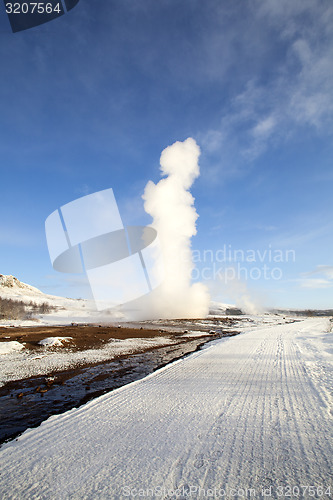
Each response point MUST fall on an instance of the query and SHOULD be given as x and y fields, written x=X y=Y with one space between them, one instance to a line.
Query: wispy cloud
x=326 y=271
x=316 y=283
x=298 y=93
x=305 y=235
x=325 y=279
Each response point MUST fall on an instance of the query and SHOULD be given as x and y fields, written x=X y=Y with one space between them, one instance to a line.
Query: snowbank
x=12 y=346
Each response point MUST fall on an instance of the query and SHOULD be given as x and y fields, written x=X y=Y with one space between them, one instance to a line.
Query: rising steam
x=171 y=206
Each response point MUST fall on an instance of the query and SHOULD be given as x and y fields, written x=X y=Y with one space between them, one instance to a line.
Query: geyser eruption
x=171 y=206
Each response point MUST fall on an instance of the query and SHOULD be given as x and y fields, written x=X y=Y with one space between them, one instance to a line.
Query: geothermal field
x=247 y=416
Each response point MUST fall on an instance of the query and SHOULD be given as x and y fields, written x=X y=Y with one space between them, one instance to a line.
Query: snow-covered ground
x=248 y=417
x=18 y=363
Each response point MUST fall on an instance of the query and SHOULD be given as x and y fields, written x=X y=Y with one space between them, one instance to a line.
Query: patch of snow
x=12 y=346
x=54 y=341
x=196 y=333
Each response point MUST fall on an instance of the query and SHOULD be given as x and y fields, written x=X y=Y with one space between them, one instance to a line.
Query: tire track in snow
x=294 y=443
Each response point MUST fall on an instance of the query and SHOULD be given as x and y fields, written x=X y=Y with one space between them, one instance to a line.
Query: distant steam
x=245 y=299
x=171 y=206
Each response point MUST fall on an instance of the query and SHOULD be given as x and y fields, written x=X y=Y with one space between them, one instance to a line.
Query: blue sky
x=89 y=101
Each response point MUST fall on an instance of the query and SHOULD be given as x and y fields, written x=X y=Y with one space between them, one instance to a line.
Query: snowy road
x=247 y=414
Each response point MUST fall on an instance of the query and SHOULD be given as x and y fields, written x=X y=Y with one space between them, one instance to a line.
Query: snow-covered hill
x=11 y=287
x=63 y=310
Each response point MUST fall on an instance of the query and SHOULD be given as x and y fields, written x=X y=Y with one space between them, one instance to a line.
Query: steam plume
x=171 y=205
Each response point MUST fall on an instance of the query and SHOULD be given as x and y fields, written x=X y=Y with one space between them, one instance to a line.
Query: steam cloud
x=171 y=205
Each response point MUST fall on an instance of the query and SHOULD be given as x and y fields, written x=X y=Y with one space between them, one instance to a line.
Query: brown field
x=83 y=336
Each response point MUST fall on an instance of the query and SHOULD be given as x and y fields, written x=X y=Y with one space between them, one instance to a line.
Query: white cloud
x=325 y=279
x=316 y=283
x=264 y=128
x=323 y=270
x=305 y=235
x=326 y=270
